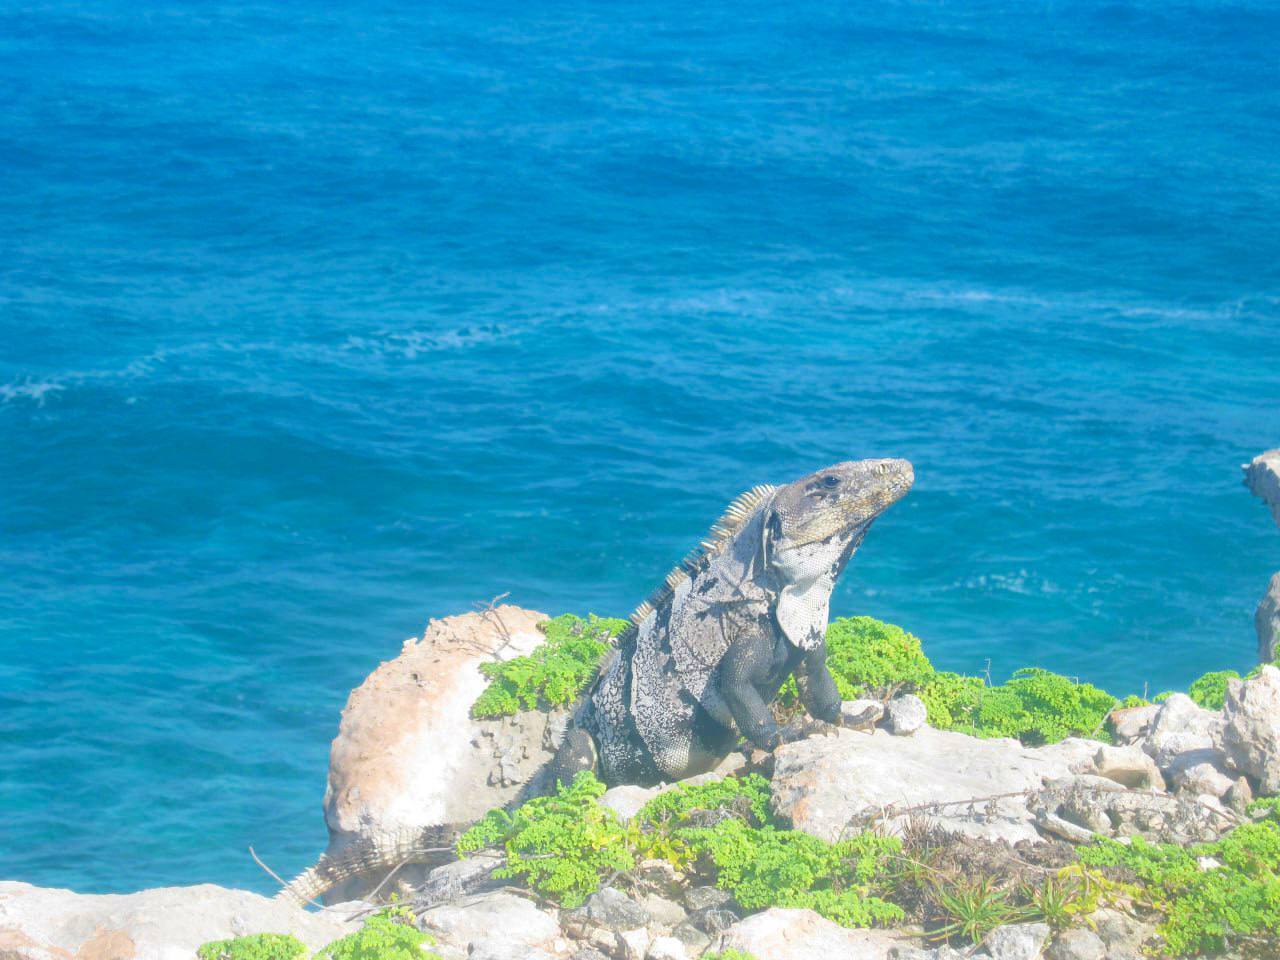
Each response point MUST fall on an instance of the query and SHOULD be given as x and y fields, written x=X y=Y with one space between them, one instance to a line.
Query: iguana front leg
x=747 y=663
x=818 y=690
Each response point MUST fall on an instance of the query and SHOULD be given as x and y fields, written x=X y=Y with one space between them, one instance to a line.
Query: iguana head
x=811 y=529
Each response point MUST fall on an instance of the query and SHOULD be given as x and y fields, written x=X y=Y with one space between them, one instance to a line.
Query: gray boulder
x=825 y=784
x=1077 y=943
x=906 y=715
x=1017 y=941
x=495 y=924
x=1252 y=733
x=413 y=714
x=1129 y=766
x=1182 y=734
x=1262 y=477
x=783 y=934
x=1266 y=622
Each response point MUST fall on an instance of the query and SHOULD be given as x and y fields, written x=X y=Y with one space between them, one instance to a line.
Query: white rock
x=166 y=923
x=782 y=934
x=1266 y=622
x=498 y=917
x=408 y=754
x=1077 y=943
x=1131 y=724
x=1182 y=734
x=667 y=948
x=1262 y=477
x=906 y=715
x=823 y=783
x=1018 y=941
x=1201 y=778
x=1252 y=734
x=627 y=799
x=632 y=944
x=1129 y=766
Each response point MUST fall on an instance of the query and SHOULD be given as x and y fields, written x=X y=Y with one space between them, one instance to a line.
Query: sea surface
x=320 y=320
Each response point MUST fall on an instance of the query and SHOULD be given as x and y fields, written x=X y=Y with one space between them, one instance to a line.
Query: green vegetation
x=1035 y=706
x=563 y=846
x=553 y=674
x=558 y=845
x=1210 y=691
x=387 y=935
x=729 y=954
x=1205 y=908
x=257 y=946
x=975 y=909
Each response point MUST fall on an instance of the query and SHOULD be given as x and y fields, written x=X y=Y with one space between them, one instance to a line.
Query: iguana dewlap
x=708 y=652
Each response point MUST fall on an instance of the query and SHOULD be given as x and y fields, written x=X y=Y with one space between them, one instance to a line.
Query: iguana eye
x=830 y=481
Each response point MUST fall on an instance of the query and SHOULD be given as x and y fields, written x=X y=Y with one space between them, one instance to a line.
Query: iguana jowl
x=708 y=652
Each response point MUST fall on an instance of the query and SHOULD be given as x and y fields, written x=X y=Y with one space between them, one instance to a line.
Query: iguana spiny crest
x=709 y=650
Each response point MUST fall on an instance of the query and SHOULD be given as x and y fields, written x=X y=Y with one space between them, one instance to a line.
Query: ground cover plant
x=389 y=934
x=563 y=847
x=554 y=673
x=1231 y=900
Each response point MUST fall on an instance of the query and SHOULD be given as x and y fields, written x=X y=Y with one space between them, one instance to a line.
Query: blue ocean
x=320 y=320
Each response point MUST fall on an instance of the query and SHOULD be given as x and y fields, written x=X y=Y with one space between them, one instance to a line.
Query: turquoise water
x=320 y=322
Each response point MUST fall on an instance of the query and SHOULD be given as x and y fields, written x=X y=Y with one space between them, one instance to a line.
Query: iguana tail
x=369 y=857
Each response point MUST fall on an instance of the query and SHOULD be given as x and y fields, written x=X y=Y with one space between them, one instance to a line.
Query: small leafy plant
x=387 y=935
x=975 y=909
x=554 y=673
x=559 y=845
x=255 y=946
x=1210 y=690
x=1206 y=909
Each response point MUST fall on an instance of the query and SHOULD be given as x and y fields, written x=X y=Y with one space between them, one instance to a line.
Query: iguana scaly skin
x=708 y=652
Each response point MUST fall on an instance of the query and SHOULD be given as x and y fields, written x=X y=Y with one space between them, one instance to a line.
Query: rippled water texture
x=321 y=320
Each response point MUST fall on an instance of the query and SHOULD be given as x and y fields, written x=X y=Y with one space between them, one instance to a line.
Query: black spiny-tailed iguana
x=709 y=650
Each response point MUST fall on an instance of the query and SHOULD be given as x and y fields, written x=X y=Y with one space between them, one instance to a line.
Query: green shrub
x=559 y=845
x=746 y=796
x=951 y=699
x=866 y=654
x=554 y=673
x=1038 y=707
x=1210 y=691
x=256 y=946
x=1207 y=910
x=387 y=935
x=767 y=867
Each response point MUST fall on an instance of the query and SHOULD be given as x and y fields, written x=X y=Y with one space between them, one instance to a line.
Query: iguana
x=709 y=650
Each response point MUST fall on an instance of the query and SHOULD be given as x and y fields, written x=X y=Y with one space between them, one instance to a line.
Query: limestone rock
x=1129 y=766
x=1266 y=622
x=1077 y=943
x=782 y=934
x=1183 y=734
x=408 y=754
x=632 y=944
x=1017 y=941
x=1203 y=777
x=1252 y=734
x=667 y=948
x=453 y=880
x=609 y=909
x=493 y=922
x=626 y=800
x=906 y=715
x=824 y=783
x=166 y=923
x=1262 y=477
x=1131 y=724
